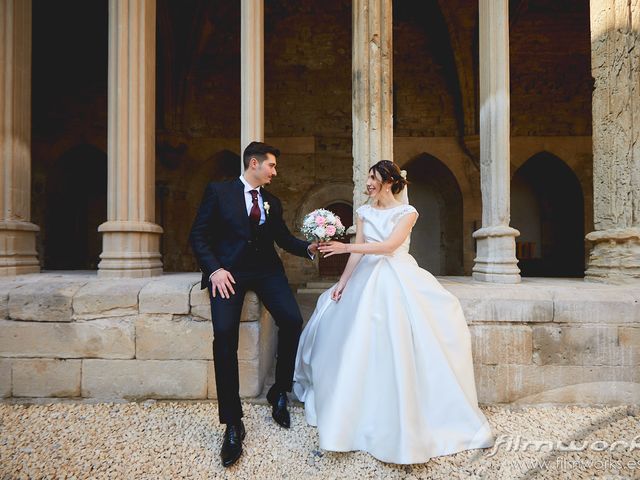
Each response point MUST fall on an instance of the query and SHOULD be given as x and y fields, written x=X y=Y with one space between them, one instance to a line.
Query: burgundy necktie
x=254 y=213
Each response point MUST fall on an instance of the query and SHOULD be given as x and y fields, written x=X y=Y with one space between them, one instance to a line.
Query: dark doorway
x=547 y=206
x=436 y=239
x=76 y=206
x=334 y=265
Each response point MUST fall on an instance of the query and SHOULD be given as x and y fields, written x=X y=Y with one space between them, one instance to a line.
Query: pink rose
x=319 y=220
x=331 y=230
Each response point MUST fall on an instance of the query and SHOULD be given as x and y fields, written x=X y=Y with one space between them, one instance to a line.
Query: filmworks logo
x=510 y=443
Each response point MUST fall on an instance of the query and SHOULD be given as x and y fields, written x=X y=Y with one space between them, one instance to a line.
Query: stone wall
x=75 y=336
x=71 y=335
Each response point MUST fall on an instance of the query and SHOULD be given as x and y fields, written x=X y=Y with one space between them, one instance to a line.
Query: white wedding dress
x=388 y=368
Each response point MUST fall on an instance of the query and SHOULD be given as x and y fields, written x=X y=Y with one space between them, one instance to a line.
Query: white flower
x=266 y=207
x=319 y=232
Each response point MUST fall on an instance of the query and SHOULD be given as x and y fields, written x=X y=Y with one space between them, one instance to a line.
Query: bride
x=384 y=364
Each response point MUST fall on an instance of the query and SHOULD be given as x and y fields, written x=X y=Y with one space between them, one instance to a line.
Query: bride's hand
x=332 y=248
x=337 y=292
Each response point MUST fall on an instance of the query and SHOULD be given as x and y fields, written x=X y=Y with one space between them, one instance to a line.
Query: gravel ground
x=158 y=440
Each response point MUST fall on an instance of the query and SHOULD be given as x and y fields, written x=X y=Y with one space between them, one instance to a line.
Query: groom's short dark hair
x=258 y=150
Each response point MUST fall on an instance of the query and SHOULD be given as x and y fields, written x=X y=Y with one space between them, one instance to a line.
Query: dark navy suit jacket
x=221 y=235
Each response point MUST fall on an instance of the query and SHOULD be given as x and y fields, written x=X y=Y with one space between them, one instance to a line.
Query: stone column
x=251 y=73
x=495 y=260
x=615 y=65
x=17 y=234
x=131 y=239
x=372 y=78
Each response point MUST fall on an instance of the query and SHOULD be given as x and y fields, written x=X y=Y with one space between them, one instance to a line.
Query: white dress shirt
x=248 y=199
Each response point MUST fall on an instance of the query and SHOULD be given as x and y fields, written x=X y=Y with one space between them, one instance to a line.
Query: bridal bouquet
x=322 y=225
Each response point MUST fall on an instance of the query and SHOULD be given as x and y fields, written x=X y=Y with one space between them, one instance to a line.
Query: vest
x=259 y=254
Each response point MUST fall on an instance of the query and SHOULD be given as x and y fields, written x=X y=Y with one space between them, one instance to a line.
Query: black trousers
x=274 y=292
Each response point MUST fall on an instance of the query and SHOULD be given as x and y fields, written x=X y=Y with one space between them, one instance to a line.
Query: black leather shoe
x=280 y=412
x=232 y=444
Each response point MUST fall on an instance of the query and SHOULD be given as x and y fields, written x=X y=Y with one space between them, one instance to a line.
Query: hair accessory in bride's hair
x=403 y=174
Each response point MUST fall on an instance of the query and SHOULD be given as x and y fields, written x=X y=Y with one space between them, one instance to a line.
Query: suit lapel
x=241 y=207
x=266 y=197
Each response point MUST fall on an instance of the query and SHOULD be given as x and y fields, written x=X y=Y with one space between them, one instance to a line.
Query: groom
x=232 y=238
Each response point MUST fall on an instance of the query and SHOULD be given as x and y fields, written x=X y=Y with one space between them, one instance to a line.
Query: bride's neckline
x=388 y=208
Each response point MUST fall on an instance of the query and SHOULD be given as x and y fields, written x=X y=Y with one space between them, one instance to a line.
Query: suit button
x=249 y=242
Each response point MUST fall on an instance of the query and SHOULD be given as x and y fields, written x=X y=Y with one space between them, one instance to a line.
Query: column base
x=18 y=248
x=495 y=261
x=130 y=250
x=614 y=256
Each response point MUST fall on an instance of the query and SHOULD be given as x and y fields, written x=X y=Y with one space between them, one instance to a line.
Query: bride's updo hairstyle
x=389 y=172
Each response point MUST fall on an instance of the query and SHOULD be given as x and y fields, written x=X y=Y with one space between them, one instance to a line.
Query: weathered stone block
x=268 y=343
x=46 y=377
x=107 y=338
x=5 y=377
x=557 y=384
x=251 y=383
x=251 y=308
x=199 y=301
x=168 y=294
x=201 y=307
x=509 y=303
x=4 y=304
x=582 y=345
x=8 y=284
x=132 y=379
x=108 y=298
x=606 y=304
x=46 y=301
x=165 y=338
x=501 y=344
x=629 y=337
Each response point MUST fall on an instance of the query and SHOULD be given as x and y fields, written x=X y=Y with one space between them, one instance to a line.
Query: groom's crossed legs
x=274 y=292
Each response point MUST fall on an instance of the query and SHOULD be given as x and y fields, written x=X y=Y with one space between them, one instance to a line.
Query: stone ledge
x=564 y=325
x=8 y=284
x=201 y=306
x=108 y=298
x=167 y=294
x=44 y=301
x=607 y=304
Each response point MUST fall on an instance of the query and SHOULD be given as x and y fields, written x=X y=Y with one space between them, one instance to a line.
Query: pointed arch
x=547 y=207
x=436 y=240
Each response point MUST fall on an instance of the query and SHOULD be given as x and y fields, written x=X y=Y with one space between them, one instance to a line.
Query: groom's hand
x=222 y=280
